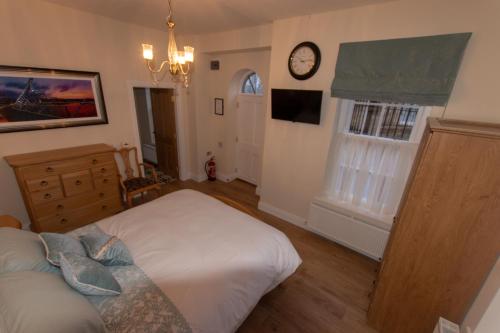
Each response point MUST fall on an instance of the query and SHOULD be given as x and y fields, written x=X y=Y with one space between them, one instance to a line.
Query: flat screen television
x=302 y=106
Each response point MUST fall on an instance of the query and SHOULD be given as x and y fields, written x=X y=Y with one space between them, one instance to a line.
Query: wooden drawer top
x=57 y=154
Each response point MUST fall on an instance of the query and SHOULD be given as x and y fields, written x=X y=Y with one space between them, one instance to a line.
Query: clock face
x=304 y=60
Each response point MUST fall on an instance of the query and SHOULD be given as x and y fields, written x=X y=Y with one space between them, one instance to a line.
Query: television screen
x=302 y=106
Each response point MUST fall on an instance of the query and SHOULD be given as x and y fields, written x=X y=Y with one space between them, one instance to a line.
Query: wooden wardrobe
x=446 y=236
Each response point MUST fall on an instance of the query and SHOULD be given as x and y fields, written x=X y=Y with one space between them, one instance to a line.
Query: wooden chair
x=140 y=184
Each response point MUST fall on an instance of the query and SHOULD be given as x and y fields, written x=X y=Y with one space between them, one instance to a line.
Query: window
x=392 y=121
x=252 y=85
x=372 y=154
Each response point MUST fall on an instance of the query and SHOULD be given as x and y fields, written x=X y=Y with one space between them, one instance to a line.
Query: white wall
x=490 y=322
x=246 y=49
x=483 y=316
x=237 y=40
x=295 y=154
x=36 y=33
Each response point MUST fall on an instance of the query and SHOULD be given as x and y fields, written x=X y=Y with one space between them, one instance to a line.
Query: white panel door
x=250 y=136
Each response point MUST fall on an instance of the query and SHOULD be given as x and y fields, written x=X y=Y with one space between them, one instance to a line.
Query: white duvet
x=213 y=261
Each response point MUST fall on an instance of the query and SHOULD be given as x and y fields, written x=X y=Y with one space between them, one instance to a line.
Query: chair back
x=130 y=161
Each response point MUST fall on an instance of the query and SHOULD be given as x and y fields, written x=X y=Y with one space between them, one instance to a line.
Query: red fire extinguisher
x=210 y=169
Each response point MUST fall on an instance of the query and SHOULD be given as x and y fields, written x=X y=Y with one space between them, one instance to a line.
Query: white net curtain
x=368 y=173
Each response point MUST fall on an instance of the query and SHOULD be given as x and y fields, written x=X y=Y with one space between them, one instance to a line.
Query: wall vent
x=215 y=65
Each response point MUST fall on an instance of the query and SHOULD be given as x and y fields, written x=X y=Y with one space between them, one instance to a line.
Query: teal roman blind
x=420 y=70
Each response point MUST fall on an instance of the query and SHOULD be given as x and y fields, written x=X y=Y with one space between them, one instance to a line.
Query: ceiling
x=204 y=16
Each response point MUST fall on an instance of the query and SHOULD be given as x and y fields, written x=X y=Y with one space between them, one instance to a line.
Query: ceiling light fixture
x=178 y=61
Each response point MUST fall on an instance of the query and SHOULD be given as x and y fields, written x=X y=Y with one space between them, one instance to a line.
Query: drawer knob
x=104 y=207
x=64 y=221
x=44 y=183
x=94 y=161
x=60 y=207
x=78 y=182
x=103 y=170
x=47 y=196
x=49 y=169
x=105 y=181
x=101 y=195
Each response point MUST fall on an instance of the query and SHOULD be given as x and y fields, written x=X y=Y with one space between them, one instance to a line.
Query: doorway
x=155 y=110
x=249 y=129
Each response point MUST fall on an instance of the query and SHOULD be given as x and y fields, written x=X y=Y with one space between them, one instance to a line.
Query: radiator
x=361 y=236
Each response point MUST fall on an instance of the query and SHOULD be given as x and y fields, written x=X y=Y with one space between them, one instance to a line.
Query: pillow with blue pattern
x=57 y=243
x=88 y=276
x=106 y=249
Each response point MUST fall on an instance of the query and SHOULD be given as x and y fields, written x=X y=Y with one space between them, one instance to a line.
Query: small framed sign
x=219 y=106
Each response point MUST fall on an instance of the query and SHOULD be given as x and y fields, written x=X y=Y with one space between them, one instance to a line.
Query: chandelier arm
x=162 y=76
x=154 y=70
x=181 y=68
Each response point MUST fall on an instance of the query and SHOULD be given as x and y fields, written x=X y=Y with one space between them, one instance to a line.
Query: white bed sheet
x=213 y=261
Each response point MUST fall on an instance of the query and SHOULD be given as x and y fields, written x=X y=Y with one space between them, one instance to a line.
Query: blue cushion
x=106 y=249
x=43 y=303
x=22 y=250
x=58 y=243
x=88 y=276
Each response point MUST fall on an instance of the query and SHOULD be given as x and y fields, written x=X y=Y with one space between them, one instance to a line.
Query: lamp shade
x=147 y=51
x=189 y=53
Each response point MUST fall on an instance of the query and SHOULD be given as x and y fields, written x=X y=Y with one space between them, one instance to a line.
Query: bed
x=211 y=262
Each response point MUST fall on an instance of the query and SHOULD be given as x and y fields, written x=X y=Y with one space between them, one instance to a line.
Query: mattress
x=212 y=261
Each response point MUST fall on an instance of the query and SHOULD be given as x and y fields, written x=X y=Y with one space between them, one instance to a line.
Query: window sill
x=383 y=222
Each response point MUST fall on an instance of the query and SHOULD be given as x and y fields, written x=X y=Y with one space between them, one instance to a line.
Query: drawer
x=106 y=181
x=77 y=182
x=80 y=217
x=64 y=166
x=104 y=170
x=43 y=183
x=53 y=168
x=46 y=195
x=101 y=159
x=61 y=207
x=109 y=206
x=106 y=192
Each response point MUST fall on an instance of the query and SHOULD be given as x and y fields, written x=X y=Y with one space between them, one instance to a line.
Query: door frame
x=180 y=122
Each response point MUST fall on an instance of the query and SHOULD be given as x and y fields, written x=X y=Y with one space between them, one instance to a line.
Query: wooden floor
x=328 y=293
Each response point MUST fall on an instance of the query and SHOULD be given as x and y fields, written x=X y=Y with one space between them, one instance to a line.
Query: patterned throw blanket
x=141 y=307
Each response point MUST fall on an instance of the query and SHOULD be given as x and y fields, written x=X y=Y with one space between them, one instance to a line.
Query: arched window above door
x=252 y=85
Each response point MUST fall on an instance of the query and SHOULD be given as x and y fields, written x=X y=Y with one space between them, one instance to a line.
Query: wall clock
x=304 y=60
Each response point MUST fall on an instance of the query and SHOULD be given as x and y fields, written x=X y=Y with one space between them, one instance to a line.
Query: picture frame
x=219 y=106
x=33 y=98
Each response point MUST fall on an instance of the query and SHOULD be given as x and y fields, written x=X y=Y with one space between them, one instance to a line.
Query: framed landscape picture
x=39 y=98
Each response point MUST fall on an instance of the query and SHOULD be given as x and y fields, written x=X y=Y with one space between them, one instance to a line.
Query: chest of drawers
x=67 y=188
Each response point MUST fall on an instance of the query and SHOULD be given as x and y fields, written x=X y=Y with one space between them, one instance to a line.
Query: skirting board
x=282 y=214
x=226 y=178
x=220 y=176
x=185 y=176
x=199 y=178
